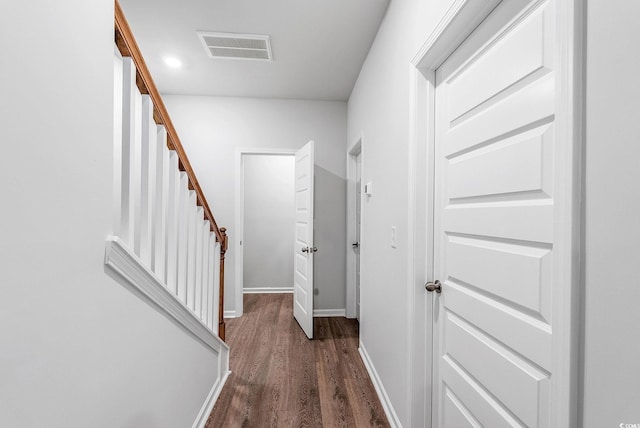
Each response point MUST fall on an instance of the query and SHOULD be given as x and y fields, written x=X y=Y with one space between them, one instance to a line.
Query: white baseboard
x=392 y=417
x=267 y=290
x=329 y=313
x=230 y=314
x=207 y=407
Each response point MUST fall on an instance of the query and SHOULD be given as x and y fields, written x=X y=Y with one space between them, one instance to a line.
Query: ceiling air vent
x=236 y=46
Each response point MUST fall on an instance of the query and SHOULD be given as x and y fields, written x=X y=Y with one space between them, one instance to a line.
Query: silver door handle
x=305 y=249
x=355 y=245
x=314 y=249
x=434 y=286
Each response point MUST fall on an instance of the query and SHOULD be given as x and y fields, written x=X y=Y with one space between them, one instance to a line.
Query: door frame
x=239 y=218
x=457 y=24
x=354 y=150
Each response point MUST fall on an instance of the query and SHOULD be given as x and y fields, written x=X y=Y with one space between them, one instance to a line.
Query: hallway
x=281 y=379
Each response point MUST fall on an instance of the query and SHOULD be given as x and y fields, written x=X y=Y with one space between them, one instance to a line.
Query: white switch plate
x=393 y=236
x=368 y=189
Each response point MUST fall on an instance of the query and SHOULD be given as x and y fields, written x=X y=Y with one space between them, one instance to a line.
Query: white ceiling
x=318 y=45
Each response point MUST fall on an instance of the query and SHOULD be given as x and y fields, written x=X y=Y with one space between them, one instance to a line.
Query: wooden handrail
x=129 y=48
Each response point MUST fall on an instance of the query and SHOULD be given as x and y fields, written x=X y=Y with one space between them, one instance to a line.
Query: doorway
x=354 y=221
x=268 y=223
x=264 y=222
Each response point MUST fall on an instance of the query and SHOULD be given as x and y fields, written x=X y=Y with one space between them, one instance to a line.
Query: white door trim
x=356 y=148
x=239 y=219
x=456 y=25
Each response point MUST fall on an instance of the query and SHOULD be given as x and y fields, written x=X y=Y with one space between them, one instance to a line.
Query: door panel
x=303 y=260
x=502 y=322
x=523 y=49
x=480 y=403
x=496 y=120
x=527 y=221
x=520 y=386
x=494 y=226
x=456 y=414
x=521 y=174
x=529 y=267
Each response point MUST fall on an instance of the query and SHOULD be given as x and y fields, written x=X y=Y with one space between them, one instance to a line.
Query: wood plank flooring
x=282 y=379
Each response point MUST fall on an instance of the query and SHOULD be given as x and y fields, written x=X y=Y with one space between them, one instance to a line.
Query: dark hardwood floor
x=282 y=379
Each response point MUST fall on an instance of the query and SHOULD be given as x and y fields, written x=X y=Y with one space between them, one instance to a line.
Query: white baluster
x=161 y=205
x=197 y=306
x=117 y=143
x=173 y=214
x=136 y=170
x=204 y=307
x=191 y=250
x=131 y=124
x=183 y=237
x=147 y=180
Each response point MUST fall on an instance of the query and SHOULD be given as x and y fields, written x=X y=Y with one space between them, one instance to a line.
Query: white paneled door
x=495 y=200
x=303 y=246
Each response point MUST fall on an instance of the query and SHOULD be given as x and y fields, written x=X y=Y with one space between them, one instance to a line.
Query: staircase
x=166 y=244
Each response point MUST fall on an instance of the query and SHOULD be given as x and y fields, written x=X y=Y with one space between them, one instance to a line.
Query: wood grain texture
x=282 y=379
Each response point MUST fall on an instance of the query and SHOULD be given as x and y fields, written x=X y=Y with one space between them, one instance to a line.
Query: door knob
x=314 y=249
x=434 y=286
x=355 y=245
x=305 y=249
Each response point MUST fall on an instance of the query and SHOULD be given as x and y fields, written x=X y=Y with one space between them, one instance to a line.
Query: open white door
x=303 y=245
x=498 y=315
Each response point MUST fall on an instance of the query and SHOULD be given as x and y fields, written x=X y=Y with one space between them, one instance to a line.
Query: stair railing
x=161 y=213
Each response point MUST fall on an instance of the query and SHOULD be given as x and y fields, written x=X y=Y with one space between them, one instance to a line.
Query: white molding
x=265 y=151
x=210 y=401
x=570 y=125
x=267 y=290
x=392 y=417
x=420 y=246
x=120 y=260
x=329 y=313
x=354 y=150
x=462 y=17
x=230 y=314
x=238 y=254
x=356 y=147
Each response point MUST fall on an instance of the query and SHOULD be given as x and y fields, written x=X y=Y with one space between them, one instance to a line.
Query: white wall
x=78 y=349
x=379 y=109
x=211 y=129
x=612 y=227
x=269 y=190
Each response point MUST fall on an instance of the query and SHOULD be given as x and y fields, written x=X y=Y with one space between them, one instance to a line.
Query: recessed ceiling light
x=172 y=62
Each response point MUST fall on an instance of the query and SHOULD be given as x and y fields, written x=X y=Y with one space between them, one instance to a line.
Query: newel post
x=223 y=250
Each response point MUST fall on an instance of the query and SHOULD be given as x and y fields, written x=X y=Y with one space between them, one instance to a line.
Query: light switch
x=368 y=189
x=393 y=236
